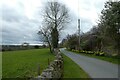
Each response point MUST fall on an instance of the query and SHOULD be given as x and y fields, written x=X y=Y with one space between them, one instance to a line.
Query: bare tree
x=55 y=17
x=45 y=32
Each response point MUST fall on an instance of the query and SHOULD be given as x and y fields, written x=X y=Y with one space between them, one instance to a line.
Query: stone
x=54 y=69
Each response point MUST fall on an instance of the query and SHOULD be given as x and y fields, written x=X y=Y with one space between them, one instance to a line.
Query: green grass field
x=24 y=63
x=72 y=70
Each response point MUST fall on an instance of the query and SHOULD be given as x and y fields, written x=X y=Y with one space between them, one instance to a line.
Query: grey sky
x=21 y=18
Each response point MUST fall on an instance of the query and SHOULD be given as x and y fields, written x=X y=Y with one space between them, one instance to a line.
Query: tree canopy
x=55 y=17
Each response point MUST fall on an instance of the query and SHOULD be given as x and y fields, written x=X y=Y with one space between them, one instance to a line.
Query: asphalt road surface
x=94 y=67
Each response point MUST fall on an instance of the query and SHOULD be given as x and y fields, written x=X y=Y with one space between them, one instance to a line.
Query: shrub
x=36 y=47
x=99 y=53
x=90 y=52
x=96 y=53
x=77 y=51
x=73 y=50
x=102 y=54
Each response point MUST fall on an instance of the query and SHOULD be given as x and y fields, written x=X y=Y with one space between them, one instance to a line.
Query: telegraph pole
x=79 y=35
x=78 y=29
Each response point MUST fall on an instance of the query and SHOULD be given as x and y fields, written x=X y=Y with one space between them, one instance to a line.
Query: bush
x=82 y=51
x=102 y=54
x=73 y=50
x=99 y=53
x=36 y=47
x=87 y=52
x=96 y=53
x=90 y=52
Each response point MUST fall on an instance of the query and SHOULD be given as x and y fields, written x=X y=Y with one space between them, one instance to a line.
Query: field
x=24 y=63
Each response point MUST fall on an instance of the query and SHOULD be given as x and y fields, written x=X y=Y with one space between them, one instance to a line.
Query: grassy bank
x=24 y=63
x=72 y=70
x=115 y=60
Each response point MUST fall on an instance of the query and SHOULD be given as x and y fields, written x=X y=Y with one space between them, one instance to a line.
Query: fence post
x=48 y=61
x=38 y=70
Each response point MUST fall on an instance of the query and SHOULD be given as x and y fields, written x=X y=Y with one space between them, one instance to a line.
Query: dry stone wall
x=54 y=69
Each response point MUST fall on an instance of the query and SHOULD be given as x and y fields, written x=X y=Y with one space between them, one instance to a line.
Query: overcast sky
x=21 y=18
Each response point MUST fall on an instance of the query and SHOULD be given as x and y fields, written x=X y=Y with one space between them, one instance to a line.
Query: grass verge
x=24 y=63
x=72 y=70
x=115 y=60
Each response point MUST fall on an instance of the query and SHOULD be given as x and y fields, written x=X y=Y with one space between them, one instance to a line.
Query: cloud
x=12 y=15
x=87 y=11
x=21 y=18
x=17 y=28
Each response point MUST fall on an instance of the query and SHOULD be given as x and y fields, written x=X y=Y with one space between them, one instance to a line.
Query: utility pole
x=78 y=29
x=79 y=35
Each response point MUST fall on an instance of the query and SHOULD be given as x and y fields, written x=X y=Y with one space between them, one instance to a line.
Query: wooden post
x=38 y=70
x=48 y=61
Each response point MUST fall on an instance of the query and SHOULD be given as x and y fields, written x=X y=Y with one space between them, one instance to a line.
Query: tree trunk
x=50 y=47
x=54 y=35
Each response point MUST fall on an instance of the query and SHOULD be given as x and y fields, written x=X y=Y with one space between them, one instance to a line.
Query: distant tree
x=72 y=42
x=43 y=45
x=55 y=17
x=92 y=40
x=63 y=43
x=36 y=47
